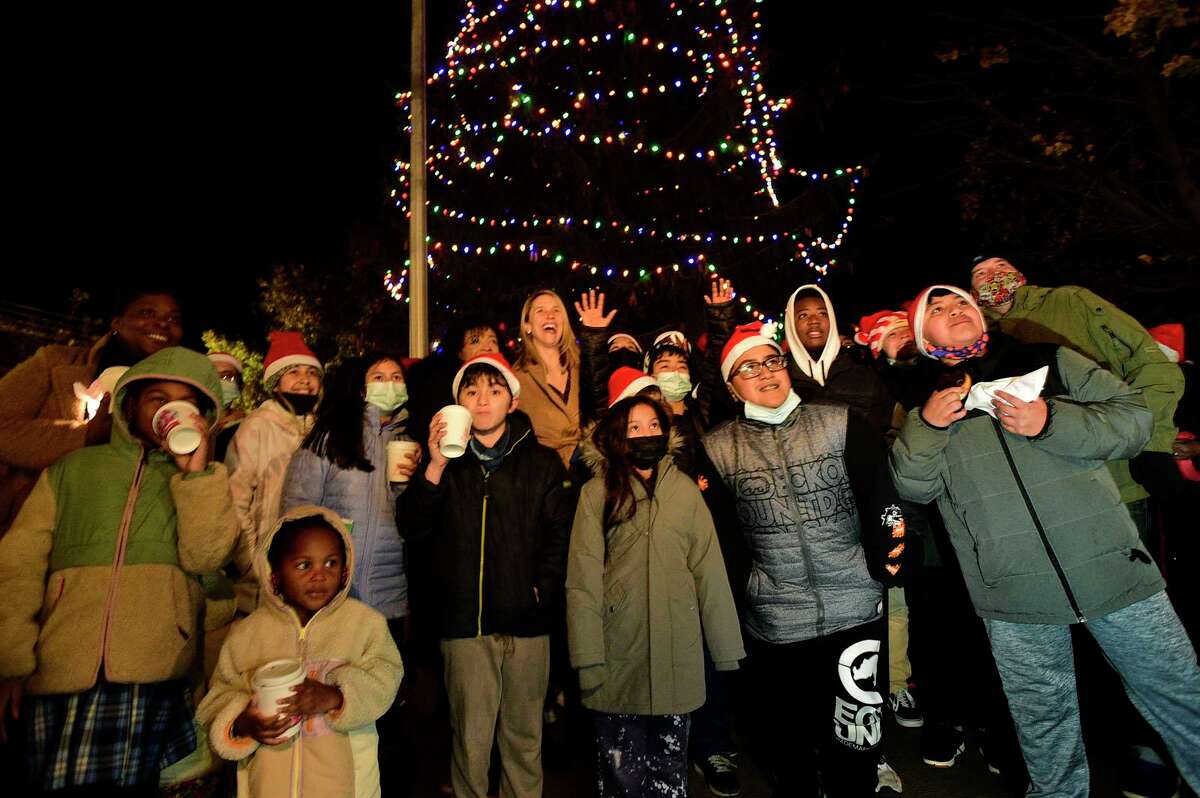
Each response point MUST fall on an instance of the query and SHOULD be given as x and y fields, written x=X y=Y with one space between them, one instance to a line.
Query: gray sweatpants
x=1147 y=646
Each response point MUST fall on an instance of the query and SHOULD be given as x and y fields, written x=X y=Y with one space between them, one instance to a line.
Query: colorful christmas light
x=500 y=53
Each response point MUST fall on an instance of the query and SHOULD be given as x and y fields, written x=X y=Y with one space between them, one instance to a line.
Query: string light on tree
x=574 y=142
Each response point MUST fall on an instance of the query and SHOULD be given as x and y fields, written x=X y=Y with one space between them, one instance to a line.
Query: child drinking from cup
x=351 y=670
x=99 y=626
x=644 y=576
x=500 y=516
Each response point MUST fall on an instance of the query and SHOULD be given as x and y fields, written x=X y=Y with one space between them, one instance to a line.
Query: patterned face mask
x=999 y=289
x=959 y=352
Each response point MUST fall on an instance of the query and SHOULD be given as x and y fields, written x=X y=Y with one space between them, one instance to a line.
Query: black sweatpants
x=819 y=708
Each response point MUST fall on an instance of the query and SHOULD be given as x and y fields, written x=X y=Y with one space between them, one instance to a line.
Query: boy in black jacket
x=501 y=519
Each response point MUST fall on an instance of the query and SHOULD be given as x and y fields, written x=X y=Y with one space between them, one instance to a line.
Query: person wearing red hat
x=626 y=382
x=263 y=446
x=822 y=523
x=1013 y=449
x=499 y=517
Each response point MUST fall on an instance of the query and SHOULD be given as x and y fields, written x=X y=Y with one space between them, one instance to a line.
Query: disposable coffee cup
x=173 y=423
x=273 y=685
x=458 y=430
x=398 y=453
x=105 y=383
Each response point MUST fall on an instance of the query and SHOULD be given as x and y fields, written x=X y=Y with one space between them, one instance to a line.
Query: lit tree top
x=576 y=141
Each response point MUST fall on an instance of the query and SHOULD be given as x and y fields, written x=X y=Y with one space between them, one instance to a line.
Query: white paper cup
x=273 y=685
x=458 y=430
x=173 y=423
x=398 y=455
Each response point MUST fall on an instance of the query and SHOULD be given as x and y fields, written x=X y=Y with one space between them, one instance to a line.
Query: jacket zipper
x=483 y=534
x=808 y=564
x=1037 y=522
x=110 y=600
x=297 y=757
x=482 y=549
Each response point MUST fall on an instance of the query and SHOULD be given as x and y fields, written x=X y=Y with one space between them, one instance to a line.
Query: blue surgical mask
x=229 y=393
x=387 y=396
x=773 y=415
x=675 y=385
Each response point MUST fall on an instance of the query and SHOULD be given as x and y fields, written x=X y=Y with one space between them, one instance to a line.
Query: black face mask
x=624 y=357
x=302 y=403
x=645 y=452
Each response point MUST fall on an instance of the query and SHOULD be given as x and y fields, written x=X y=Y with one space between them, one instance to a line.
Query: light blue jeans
x=1146 y=644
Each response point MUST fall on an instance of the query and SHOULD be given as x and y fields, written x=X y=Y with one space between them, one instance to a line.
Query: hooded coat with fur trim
x=639 y=595
x=347 y=644
x=97 y=567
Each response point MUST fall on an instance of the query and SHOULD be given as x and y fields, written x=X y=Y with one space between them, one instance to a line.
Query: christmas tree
x=626 y=145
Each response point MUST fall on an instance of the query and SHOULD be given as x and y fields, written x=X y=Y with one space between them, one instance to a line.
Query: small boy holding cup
x=500 y=514
x=349 y=670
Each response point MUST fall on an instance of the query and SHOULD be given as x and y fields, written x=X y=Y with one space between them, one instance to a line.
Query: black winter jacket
x=496 y=536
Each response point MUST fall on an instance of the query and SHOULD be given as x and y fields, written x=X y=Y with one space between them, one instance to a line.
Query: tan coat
x=345 y=644
x=635 y=609
x=555 y=422
x=41 y=420
x=258 y=459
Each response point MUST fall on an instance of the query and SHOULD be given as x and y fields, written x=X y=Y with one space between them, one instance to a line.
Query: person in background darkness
x=229 y=370
x=41 y=417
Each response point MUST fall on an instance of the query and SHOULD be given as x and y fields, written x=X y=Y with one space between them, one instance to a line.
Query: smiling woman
x=548 y=369
x=41 y=416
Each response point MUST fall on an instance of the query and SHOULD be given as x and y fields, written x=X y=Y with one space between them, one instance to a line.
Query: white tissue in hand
x=1026 y=388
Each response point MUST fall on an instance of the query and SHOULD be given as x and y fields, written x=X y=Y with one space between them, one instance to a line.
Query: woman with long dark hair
x=342 y=465
x=644 y=576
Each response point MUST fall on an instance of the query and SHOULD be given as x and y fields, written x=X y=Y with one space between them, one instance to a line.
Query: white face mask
x=773 y=415
x=675 y=385
x=387 y=396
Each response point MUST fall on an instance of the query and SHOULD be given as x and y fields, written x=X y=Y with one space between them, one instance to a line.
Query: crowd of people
x=945 y=513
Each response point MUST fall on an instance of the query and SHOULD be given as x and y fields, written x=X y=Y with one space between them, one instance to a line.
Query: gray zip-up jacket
x=808 y=493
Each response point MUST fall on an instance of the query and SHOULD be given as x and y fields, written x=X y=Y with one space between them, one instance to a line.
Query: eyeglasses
x=752 y=368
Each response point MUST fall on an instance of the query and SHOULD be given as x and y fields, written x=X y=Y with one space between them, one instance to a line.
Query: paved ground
x=969 y=778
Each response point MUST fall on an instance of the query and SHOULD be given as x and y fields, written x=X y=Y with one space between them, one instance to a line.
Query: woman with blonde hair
x=549 y=370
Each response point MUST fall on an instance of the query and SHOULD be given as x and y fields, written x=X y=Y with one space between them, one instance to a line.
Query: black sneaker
x=941 y=745
x=720 y=772
x=1147 y=776
x=905 y=709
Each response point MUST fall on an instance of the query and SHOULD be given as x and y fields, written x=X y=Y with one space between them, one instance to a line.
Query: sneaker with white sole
x=905 y=709
x=942 y=744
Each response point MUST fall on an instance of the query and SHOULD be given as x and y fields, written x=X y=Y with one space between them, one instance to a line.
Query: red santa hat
x=628 y=381
x=1170 y=339
x=496 y=361
x=225 y=359
x=287 y=349
x=745 y=337
x=872 y=329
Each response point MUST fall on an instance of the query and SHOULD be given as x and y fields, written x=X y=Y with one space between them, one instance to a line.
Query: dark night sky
x=220 y=143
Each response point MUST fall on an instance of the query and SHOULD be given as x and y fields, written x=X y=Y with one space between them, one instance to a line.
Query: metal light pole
x=418 y=275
